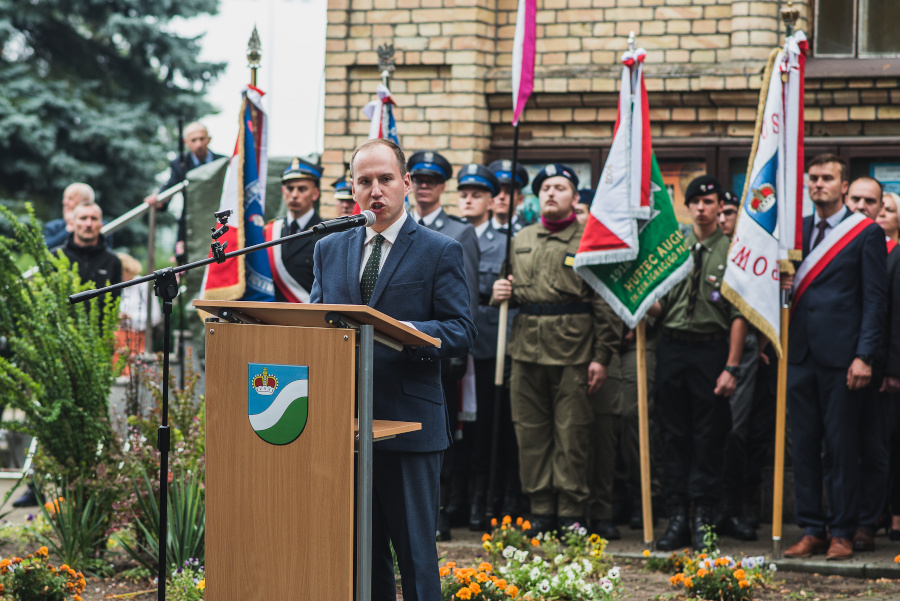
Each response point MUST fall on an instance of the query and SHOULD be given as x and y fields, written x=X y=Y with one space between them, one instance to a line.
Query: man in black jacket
x=86 y=248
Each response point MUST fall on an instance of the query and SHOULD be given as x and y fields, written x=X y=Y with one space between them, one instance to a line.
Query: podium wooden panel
x=279 y=515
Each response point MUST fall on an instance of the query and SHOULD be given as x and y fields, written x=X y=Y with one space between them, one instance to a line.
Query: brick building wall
x=705 y=57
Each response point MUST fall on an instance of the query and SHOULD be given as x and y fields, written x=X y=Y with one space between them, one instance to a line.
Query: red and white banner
x=623 y=193
x=292 y=290
x=523 y=56
x=769 y=229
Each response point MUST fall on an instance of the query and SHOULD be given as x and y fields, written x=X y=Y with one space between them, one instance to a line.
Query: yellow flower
x=597 y=553
x=486 y=546
x=485 y=537
x=444 y=571
x=519 y=521
x=484 y=567
x=688 y=582
x=535 y=542
x=595 y=538
x=464 y=593
x=646 y=552
x=740 y=574
x=512 y=591
x=500 y=584
x=475 y=588
x=201 y=585
x=743 y=584
x=701 y=573
x=526 y=525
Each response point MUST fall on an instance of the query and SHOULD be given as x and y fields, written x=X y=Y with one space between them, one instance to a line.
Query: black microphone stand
x=165 y=284
x=182 y=256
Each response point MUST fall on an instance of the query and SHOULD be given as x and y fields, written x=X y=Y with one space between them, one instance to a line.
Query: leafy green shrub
x=33 y=578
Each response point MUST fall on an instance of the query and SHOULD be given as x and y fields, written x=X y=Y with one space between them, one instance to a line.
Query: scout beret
x=705 y=184
x=729 y=198
x=554 y=170
x=586 y=196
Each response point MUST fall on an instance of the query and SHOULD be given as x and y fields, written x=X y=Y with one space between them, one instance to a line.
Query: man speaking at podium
x=414 y=275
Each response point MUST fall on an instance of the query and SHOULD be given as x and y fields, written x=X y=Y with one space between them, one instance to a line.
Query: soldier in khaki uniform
x=561 y=342
x=697 y=370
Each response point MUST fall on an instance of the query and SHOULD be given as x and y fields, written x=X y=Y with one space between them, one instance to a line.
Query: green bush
x=32 y=578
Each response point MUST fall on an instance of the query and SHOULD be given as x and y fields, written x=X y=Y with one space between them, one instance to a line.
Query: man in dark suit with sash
x=415 y=275
x=836 y=334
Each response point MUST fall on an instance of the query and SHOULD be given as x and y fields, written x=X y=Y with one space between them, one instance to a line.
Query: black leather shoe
x=28 y=499
x=443 y=527
x=737 y=528
x=542 y=523
x=605 y=529
x=703 y=522
x=677 y=535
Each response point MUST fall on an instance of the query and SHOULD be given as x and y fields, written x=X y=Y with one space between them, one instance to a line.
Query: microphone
x=366 y=218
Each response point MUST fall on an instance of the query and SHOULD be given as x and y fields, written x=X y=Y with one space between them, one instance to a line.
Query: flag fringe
x=631 y=319
x=595 y=257
x=755 y=319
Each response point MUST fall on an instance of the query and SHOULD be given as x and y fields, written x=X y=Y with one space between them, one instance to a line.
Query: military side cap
x=729 y=198
x=700 y=186
x=427 y=162
x=503 y=170
x=300 y=169
x=478 y=176
x=586 y=196
x=342 y=189
x=554 y=170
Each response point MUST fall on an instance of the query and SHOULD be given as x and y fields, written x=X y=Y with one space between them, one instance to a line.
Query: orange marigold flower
x=512 y=591
x=740 y=574
x=672 y=580
x=535 y=542
x=500 y=584
x=688 y=582
x=485 y=567
x=519 y=521
x=485 y=537
x=646 y=552
x=526 y=525
x=507 y=519
x=679 y=578
x=2 y=588
x=78 y=598
x=493 y=521
x=464 y=593
x=17 y=560
x=503 y=527
x=4 y=563
x=444 y=571
x=475 y=588
x=43 y=551
x=897 y=559
x=743 y=584
x=701 y=573
x=481 y=577
x=450 y=564
x=701 y=556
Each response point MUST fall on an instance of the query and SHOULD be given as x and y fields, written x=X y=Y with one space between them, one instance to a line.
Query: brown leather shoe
x=840 y=548
x=864 y=540
x=807 y=546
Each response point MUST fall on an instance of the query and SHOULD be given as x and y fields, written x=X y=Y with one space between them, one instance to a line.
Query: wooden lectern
x=280 y=515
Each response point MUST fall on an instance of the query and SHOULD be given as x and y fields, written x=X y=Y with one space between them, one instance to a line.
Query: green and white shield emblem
x=278 y=401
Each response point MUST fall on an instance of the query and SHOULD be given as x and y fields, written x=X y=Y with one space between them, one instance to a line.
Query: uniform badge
x=715 y=296
x=278 y=401
x=569 y=261
x=550 y=169
x=439 y=223
x=489 y=235
x=507 y=165
x=472 y=169
x=429 y=157
x=712 y=278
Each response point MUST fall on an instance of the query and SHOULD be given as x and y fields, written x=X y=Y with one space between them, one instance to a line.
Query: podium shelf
x=383 y=428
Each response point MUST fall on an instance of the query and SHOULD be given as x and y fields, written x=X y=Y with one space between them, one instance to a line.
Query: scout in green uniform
x=697 y=369
x=561 y=342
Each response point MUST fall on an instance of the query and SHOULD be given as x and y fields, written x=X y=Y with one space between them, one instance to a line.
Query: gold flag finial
x=254 y=55
x=789 y=16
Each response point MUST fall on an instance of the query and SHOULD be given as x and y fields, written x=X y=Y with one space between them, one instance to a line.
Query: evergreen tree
x=92 y=90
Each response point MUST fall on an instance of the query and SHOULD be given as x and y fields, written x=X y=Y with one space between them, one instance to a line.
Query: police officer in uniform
x=343 y=195
x=697 y=370
x=292 y=262
x=510 y=193
x=561 y=344
x=429 y=172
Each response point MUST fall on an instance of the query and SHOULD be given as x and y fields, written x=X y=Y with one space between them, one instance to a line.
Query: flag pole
x=254 y=55
x=789 y=16
x=644 y=431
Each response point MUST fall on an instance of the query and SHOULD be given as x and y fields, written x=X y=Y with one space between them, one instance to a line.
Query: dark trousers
x=824 y=414
x=894 y=486
x=761 y=439
x=404 y=513
x=742 y=406
x=874 y=441
x=483 y=430
x=694 y=420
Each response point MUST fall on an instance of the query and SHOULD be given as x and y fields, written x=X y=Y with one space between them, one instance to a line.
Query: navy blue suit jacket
x=423 y=282
x=841 y=314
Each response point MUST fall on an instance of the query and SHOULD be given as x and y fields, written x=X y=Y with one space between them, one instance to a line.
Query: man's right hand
x=503 y=289
x=152 y=201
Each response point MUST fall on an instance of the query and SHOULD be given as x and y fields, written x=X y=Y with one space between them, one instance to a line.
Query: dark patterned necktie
x=370 y=273
x=695 y=279
x=421 y=221
x=295 y=227
x=822 y=226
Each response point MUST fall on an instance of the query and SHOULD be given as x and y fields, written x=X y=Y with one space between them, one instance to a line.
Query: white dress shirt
x=479 y=229
x=429 y=218
x=390 y=236
x=303 y=220
x=832 y=221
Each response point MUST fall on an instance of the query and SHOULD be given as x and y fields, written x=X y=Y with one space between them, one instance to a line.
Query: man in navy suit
x=415 y=275
x=836 y=334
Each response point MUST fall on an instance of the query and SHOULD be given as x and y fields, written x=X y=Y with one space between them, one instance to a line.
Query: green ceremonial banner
x=631 y=287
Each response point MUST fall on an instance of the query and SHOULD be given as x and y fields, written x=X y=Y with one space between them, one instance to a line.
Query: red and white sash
x=292 y=290
x=819 y=258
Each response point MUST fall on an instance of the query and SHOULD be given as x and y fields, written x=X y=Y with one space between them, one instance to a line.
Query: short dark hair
x=398 y=153
x=824 y=159
x=866 y=178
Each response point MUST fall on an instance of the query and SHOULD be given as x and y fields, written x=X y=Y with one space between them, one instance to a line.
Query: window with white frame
x=857 y=28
